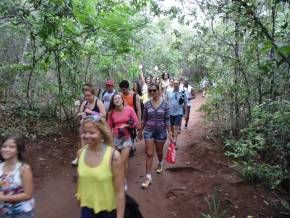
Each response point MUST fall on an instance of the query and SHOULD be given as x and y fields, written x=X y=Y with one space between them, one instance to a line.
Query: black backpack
x=132 y=208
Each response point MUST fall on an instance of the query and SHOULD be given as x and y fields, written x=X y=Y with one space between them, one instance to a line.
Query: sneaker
x=147 y=182
x=74 y=163
x=159 y=168
x=185 y=127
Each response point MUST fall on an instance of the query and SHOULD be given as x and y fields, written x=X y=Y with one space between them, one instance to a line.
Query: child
x=16 y=180
x=100 y=172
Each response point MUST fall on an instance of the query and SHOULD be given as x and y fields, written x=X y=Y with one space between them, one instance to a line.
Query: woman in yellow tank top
x=100 y=188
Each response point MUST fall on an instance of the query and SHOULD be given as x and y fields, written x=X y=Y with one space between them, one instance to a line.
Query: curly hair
x=103 y=127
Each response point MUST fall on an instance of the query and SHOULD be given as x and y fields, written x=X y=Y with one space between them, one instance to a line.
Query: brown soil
x=179 y=192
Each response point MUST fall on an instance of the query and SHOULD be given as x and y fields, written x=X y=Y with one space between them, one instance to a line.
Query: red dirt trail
x=178 y=192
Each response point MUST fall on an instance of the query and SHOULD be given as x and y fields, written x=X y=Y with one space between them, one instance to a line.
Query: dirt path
x=178 y=192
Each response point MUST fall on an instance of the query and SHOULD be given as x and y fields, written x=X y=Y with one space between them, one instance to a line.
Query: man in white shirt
x=190 y=94
x=108 y=93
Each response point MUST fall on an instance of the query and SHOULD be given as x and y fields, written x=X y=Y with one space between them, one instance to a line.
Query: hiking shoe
x=147 y=183
x=159 y=168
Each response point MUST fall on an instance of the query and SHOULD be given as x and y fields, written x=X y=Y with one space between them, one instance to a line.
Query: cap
x=110 y=82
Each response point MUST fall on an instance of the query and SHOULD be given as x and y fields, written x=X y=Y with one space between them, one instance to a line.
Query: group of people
x=152 y=110
x=109 y=126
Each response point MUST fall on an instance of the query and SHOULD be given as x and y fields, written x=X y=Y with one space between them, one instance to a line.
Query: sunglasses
x=152 y=90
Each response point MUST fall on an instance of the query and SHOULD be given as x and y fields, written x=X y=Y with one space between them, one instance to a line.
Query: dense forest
x=49 y=48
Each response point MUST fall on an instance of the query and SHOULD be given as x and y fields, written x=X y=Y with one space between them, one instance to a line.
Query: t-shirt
x=118 y=118
x=156 y=117
x=106 y=98
x=187 y=90
x=173 y=100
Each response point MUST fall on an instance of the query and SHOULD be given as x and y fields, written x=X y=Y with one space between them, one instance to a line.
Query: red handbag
x=171 y=156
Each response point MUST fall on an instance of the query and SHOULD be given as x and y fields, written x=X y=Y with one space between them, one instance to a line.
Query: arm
x=118 y=177
x=167 y=122
x=141 y=77
x=27 y=181
x=102 y=109
x=138 y=106
x=143 y=123
x=193 y=93
x=110 y=120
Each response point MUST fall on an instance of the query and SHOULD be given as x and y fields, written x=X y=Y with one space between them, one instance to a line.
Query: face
x=109 y=88
x=135 y=87
x=90 y=134
x=89 y=96
x=9 y=149
x=186 y=82
x=157 y=80
x=125 y=91
x=117 y=100
x=153 y=92
x=166 y=76
x=176 y=84
x=148 y=80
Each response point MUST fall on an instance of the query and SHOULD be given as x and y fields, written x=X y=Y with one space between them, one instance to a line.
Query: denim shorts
x=21 y=215
x=155 y=135
x=122 y=143
x=175 y=120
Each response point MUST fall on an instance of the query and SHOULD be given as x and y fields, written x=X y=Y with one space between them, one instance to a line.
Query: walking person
x=155 y=123
x=100 y=187
x=132 y=100
x=190 y=94
x=16 y=180
x=204 y=86
x=176 y=100
x=108 y=93
x=121 y=119
x=92 y=104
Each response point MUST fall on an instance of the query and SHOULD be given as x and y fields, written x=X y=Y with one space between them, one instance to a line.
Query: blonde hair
x=103 y=127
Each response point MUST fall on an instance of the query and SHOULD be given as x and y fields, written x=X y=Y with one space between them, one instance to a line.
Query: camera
x=181 y=98
x=121 y=132
x=130 y=121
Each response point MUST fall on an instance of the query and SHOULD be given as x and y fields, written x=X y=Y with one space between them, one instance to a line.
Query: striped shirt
x=156 y=117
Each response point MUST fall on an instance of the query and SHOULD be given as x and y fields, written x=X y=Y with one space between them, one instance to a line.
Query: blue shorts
x=175 y=120
x=21 y=215
x=89 y=213
x=159 y=135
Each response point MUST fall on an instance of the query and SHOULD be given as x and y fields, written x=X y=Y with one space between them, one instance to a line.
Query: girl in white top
x=16 y=180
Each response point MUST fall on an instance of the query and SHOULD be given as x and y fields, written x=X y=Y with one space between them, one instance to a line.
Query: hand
x=2 y=197
x=124 y=126
x=140 y=67
x=140 y=135
x=87 y=110
x=170 y=137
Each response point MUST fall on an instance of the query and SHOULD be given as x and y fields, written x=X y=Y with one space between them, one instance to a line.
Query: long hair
x=20 y=144
x=139 y=90
x=103 y=127
x=112 y=105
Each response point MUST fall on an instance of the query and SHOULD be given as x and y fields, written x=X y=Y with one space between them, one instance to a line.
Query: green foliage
x=264 y=146
x=214 y=206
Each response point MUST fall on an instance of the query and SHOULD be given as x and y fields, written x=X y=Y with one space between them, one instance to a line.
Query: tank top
x=95 y=185
x=129 y=99
x=11 y=184
x=95 y=109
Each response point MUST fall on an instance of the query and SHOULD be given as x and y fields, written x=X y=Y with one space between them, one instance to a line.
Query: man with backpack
x=132 y=100
x=108 y=93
